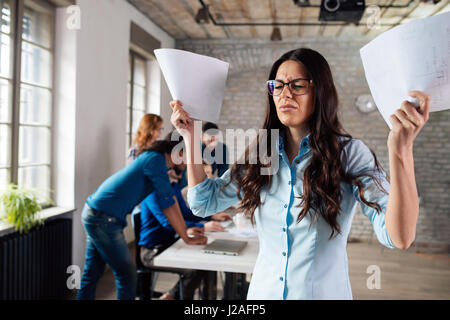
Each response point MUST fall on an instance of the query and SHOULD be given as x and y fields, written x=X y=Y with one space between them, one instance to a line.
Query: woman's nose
x=286 y=92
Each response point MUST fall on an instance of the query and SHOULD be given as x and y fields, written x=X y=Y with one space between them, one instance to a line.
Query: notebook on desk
x=225 y=247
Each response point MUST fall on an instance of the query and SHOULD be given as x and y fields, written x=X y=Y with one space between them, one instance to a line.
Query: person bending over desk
x=104 y=218
x=157 y=234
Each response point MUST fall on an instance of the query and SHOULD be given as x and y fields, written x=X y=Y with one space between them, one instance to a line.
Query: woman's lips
x=287 y=108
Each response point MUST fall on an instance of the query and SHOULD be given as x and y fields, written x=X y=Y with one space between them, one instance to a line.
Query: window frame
x=10 y=79
x=16 y=30
x=133 y=55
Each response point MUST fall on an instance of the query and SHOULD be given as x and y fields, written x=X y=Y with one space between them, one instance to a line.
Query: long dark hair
x=165 y=146
x=327 y=139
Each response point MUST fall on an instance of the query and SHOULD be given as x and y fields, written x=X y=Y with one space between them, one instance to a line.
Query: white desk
x=181 y=255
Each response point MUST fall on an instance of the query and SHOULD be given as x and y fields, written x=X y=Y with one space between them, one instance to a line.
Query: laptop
x=225 y=247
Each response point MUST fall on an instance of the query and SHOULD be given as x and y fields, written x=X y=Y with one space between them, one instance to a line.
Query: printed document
x=412 y=56
x=197 y=81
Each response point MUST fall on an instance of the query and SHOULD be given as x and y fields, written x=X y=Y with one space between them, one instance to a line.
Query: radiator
x=33 y=266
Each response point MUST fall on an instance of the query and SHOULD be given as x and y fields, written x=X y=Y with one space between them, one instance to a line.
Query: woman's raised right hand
x=181 y=119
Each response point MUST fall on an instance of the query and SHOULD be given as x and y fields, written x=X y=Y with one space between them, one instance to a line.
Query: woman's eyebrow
x=293 y=78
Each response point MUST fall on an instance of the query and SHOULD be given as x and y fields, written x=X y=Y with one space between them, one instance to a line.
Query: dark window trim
x=143 y=39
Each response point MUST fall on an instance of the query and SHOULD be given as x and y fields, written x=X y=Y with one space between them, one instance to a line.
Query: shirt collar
x=303 y=144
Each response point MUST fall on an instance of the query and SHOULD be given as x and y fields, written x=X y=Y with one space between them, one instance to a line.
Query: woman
x=104 y=218
x=149 y=130
x=303 y=211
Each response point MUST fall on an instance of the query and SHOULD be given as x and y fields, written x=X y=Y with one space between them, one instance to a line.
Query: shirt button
x=285 y=205
x=284 y=229
x=281 y=278
x=289 y=183
x=284 y=253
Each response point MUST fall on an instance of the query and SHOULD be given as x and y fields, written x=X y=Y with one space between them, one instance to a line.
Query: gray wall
x=245 y=101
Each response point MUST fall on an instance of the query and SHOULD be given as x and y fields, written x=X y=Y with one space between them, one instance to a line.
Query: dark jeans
x=106 y=245
x=192 y=279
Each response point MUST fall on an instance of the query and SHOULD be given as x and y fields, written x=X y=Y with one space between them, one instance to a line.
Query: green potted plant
x=19 y=206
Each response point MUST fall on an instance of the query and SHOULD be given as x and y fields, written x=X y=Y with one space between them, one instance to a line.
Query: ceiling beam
x=192 y=13
x=381 y=16
x=219 y=18
x=439 y=6
x=138 y=8
x=246 y=14
x=169 y=16
x=63 y=3
x=301 y=18
x=274 y=23
x=223 y=25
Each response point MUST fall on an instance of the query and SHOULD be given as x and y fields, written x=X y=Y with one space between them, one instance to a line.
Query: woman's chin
x=291 y=121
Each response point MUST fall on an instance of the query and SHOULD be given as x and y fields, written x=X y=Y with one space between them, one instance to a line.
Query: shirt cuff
x=165 y=202
x=389 y=241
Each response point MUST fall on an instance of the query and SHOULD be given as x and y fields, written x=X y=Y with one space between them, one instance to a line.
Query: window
x=26 y=83
x=5 y=90
x=144 y=79
x=137 y=94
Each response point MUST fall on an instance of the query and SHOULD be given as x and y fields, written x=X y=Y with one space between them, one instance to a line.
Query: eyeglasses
x=298 y=87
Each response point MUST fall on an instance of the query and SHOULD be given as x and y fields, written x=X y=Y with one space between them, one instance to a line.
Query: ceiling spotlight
x=202 y=16
x=276 y=34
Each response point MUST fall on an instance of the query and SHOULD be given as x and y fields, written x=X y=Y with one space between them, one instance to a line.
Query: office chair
x=146 y=275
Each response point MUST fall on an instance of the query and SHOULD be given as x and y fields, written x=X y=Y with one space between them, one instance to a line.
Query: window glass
x=34 y=145
x=37 y=25
x=35 y=105
x=36 y=65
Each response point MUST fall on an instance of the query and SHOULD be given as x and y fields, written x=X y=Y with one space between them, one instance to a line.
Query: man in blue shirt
x=104 y=218
x=157 y=234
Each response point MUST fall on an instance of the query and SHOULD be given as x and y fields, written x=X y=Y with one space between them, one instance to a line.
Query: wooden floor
x=403 y=275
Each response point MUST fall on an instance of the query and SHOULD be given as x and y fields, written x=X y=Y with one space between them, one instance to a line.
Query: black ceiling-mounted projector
x=342 y=10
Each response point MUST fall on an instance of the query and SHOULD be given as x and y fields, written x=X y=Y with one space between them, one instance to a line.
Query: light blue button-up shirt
x=296 y=260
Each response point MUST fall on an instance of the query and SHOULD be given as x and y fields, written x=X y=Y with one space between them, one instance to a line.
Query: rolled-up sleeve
x=212 y=195
x=360 y=160
x=156 y=171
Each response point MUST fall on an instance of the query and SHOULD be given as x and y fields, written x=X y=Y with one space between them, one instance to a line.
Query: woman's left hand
x=407 y=123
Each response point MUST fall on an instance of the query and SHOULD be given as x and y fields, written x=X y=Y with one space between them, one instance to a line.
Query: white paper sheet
x=196 y=80
x=412 y=56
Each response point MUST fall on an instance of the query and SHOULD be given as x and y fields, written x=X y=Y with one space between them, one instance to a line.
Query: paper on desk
x=247 y=232
x=412 y=56
x=196 y=80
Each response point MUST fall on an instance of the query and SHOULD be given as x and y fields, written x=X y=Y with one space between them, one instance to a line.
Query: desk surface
x=181 y=255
